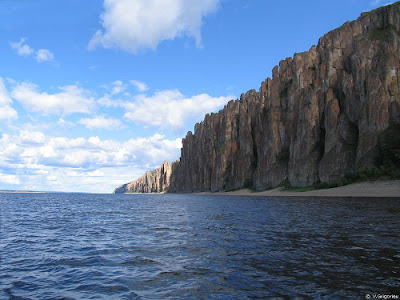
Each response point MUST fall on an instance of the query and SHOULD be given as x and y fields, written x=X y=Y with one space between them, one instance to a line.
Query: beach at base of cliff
x=374 y=189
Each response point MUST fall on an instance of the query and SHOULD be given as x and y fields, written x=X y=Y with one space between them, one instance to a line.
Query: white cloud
x=34 y=137
x=52 y=178
x=96 y=173
x=134 y=25
x=61 y=122
x=106 y=101
x=100 y=122
x=167 y=109
x=40 y=162
x=6 y=111
x=70 y=99
x=102 y=180
x=43 y=55
x=118 y=87
x=170 y=108
x=22 y=48
x=9 y=179
x=141 y=86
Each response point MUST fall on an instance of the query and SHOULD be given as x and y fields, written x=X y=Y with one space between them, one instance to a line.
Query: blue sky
x=94 y=93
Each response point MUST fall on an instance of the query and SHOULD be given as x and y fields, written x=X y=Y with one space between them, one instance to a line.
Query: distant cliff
x=155 y=181
x=319 y=118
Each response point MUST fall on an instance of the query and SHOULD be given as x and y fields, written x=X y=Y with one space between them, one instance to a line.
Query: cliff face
x=155 y=181
x=317 y=119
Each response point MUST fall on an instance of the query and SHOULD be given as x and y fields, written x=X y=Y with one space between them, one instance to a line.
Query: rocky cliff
x=156 y=181
x=318 y=118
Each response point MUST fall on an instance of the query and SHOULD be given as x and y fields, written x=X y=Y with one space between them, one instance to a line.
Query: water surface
x=85 y=246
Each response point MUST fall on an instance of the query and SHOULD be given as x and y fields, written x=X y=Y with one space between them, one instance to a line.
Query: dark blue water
x=82 y=246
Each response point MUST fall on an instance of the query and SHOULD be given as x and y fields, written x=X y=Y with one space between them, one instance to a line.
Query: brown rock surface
x=317 y=119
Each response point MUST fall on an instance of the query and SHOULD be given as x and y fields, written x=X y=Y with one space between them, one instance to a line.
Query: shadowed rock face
x=317 y=119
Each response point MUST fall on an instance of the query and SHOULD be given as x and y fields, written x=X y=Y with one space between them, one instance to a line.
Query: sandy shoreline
x=389 y=188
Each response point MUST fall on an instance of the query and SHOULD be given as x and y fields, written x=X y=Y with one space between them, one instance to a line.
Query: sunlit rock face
x=316 y=120
x=156 y=181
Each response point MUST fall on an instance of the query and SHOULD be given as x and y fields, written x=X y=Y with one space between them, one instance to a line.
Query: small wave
x=139 y=261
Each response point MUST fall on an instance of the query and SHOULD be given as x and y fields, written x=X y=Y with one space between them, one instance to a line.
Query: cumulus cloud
x=9 y=179
x=167 y=109
x=23 y=49
x=70 y=99
x=103 y=180
x=53 y=159
x=32 y=137
x=100 y=122
x=6 y=111
x=43 y=55
x=170 y=108
x=118 y=87
x=61 y=122
x=141 y=86
x=134 y=25
x=107 y=101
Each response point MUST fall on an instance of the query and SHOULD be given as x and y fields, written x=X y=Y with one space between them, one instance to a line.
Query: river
x=89 y=246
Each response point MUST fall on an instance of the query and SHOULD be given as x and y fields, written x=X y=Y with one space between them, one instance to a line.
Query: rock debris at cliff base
x=318 y=119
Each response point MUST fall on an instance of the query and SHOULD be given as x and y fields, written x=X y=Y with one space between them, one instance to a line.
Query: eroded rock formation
x=317 y=119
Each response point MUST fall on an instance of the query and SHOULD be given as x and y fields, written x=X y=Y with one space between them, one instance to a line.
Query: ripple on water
x=77 y=246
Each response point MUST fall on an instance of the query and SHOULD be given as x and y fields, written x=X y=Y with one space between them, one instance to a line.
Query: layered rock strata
x=316 y=120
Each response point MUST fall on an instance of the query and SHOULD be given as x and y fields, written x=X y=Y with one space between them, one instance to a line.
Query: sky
x=94 y=93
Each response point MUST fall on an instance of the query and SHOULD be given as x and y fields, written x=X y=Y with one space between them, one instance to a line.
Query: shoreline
x=367 y=189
